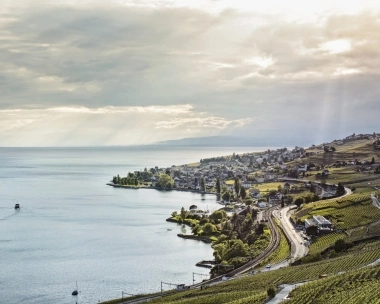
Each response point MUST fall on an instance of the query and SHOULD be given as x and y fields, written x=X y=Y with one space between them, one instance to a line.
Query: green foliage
x=218 y=216
x=209 y=229
x=299 y=201
x=340 y=245
x=203 y=184
x=243 y=192
x=237 y=186
x=165 y=181
x=217 y=185
x=271 y=292
x=226 y=196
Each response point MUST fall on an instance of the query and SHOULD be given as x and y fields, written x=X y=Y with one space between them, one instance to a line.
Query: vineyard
x=345 y=213
x=281 y=253
x=325 y=241
x=252 y=289
x=358 y=286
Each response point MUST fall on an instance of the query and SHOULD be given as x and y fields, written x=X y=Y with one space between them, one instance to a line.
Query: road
x=298 y=249
x=375 y=201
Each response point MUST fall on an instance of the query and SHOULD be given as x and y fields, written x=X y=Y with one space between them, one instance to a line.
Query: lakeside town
x=287 y=167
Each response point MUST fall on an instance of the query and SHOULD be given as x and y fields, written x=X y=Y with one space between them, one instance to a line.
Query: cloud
x=183 y=68
x=73 y=126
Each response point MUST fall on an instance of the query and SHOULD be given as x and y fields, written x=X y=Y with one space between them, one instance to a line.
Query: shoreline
x=159 y=189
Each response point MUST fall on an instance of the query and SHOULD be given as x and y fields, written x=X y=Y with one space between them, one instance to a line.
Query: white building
x=320 y=221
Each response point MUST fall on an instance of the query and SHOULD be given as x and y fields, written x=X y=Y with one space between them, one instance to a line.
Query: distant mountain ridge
x=220 y=141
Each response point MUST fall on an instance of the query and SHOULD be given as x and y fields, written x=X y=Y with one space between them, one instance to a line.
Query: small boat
x=75 y=292
x=169 y=229
x=17 y=206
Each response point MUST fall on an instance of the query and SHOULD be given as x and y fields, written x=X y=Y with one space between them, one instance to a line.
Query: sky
x=127 y=72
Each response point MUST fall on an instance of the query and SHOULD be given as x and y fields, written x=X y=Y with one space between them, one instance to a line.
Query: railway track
x=273 y=244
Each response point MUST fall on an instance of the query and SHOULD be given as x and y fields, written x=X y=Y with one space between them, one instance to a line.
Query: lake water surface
x=72 y=227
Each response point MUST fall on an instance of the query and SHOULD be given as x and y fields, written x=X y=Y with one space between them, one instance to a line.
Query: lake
x=73 y=227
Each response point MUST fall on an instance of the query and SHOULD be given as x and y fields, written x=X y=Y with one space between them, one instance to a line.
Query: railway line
x=273 y=244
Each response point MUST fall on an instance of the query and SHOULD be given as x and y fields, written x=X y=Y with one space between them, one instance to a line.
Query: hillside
x=354 y=163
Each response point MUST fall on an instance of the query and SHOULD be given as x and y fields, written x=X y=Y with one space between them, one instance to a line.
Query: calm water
x=72 y=227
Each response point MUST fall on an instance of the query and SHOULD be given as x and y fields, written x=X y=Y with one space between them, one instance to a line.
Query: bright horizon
x=119 y=73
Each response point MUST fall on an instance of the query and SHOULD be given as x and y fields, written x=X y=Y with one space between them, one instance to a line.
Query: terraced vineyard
x=358 y=286
x=252 y=289
x=345 y=213
x=325 y=241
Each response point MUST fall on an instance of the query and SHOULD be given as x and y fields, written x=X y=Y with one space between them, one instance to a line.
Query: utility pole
x=201 y=274
x=124 y=293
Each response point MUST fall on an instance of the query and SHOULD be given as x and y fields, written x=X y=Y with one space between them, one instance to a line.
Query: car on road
x=268 y=266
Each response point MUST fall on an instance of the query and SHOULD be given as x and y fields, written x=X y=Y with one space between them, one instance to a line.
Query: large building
x=319 y=221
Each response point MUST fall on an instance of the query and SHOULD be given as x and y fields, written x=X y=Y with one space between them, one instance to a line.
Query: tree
x=340 y=245
x=237 y=186
x=282 y=202
x=165 y=182
x=203 y=184
x=226 y=196
x=259 y=229
x=372 y=161
x=209 y=229
x=299 y=201
x=217 y=185
x=218 y=215
x=183 y=214
x=271 y=292
x=243 y=192
x=340 y=190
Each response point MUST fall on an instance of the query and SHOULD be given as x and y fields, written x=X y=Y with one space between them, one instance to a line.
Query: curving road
x=298 y=249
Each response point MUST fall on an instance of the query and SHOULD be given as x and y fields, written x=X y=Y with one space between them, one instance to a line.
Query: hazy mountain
x=226 y=141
